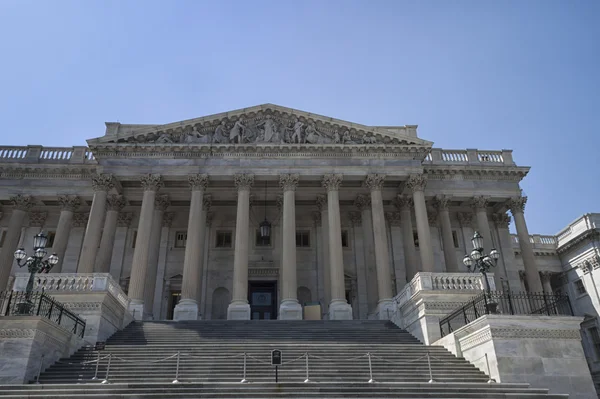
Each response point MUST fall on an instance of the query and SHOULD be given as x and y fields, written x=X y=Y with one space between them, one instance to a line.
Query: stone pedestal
x=385 y=309
x=186 y=309
x=340 y=310
x=290 y=309
x=238 y=311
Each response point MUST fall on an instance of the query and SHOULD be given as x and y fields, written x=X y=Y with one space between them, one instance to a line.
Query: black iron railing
x=16 y=303
x=508 y=303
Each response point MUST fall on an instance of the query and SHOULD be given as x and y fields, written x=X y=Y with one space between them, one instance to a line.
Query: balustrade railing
x=465 y=157
x=538 y=241
x=39 y=154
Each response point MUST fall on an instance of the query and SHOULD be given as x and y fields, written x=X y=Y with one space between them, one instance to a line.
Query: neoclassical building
x=258 y=212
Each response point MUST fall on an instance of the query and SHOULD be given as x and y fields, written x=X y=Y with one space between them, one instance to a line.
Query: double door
x=262 y=296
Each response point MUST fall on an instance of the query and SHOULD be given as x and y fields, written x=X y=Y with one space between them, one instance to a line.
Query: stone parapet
x=544 y=351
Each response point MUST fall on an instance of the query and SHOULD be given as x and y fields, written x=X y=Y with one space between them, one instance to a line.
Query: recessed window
x=416 y=239
x=223 y=239
x=302 y=239
x=455 y=238
x=50 y=242
x=180 y=239
x=262 y=241
x=345 y=241
x=595 y=336
x=579 y=287
x=134 y=239
x=2 y=237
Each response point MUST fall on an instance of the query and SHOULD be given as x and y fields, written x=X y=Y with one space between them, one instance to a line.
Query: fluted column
x=404 y=205
x=239 y=308
x=160 y=206
x=22 y=204
x=139 y=266
x=382 y=255
x=290 y=308
x=69 y=204
x=114 y=204
x=324 y=217
x=363 y=203
x=339 y=308
x=187 y=308
x=517 y=208
x=479 y=205
x=91 y=239
x=416 y=184
x=448 y=242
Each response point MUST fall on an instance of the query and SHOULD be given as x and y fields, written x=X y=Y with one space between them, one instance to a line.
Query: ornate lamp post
x=482 y=263
x=36 y=263
x=265 y=226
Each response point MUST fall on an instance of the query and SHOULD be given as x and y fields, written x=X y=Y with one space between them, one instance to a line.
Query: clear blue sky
x=472 y=74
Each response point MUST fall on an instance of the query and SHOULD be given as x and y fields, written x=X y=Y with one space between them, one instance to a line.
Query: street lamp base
x=24 y=308
x=492 y=307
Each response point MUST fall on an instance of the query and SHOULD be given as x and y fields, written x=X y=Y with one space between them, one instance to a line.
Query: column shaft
x=448 y=242
x=517 y=207
x=61 y=239
x=425 y=246
x=91 y=239
x=11 y=240
x=149 y=292
x=322 y=205
x=363 y=203
x=107 y=242
x=404 y=203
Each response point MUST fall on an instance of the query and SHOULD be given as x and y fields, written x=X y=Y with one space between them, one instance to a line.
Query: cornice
x=474 y=172
x=578 y=239
x=16 y=171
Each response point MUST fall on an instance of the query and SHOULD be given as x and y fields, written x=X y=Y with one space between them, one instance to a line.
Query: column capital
x=501 y=220
x=80 y=219
x=479 y=202
x=22 y=202
x=465 y=219
x=362 y=202
x=289 y=181
x=115 y=202
x=355 y=218
x=207 y=202
x=517 y=204
x=403 y=202
x=167 y=219
x=374 y=182
x=332 y=182
x=416 y=182
x=441 y=202
x=103 y=182
x=545 y=276
x=322 y=202
x=69 y=202
x=152 y=182
x=243 y=181
x=198 y=181
x=162 y=202
x=393 y=218
x=124 y=219
x=37 y=219
x=316 y=218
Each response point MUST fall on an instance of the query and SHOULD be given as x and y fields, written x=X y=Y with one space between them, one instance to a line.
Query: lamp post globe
x=482 y=263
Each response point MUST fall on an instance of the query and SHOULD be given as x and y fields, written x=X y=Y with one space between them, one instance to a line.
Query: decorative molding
x=37 y=219
x=162 y=202
x=332 y=182
x=403 y=202
x=475 y=339
x=198 y=181
x=518 y=333
x=243 y=181
x=263 y=272
x=152 y=182
x=589 y=234
x=362 y=202
x=289 y=181
x=124 y=219
x=115 y=202
x=374 y=182
x=449 y=172
x=168 y=219
x=103 y=182
x=22 y=202
x=80 y=219
x=69 y=203
x=21 y=333
x=517 y=204
x=355 y=218
x=20 y=171
x=416 y=183
x=441 y=202
x=479 y=203
x=502 y=220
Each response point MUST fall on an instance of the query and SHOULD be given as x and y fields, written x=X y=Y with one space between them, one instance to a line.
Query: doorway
x=262 y=296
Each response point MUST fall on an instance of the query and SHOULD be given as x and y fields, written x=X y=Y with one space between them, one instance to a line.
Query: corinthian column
x=416 y=183
x=69 y=204
x=290 y=308
x=187 y=308
x=339 y=308
x=160 y=206
x=239 y=309
x=479 y=205
x=139 y=266
x=114 y=204
x=322 y=205
x=22 y=204
x=363 y=203
x=91 y=239
x=517 y=208
x=404 y=205
x=382 y=256
x=441 y=202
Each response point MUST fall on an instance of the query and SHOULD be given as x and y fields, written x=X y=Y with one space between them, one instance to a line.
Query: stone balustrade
x=538 y=241
x=46 y=155
x=72 y=282
x=439 y=156
x=583 y=224
x=443 y=282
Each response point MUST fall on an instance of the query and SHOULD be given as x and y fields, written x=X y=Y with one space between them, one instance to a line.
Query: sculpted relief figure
x=220 y=135
x=269 y=133
x=297 y=133
x=346 y=138
x=237 y=133
x=336 y=137
x=164 y=138
x=195 y=137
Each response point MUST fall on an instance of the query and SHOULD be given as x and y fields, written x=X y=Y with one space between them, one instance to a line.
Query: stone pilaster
x=363 y=203
x=91 y=240
x=517 y=208
x=114 y=204
x=416 y=184
x=441 y=203
x=339 y=308
x=22 y=204
x=404 y=205
x=69 y=204
x=382 y=255
x=161 y=204
x=139 y=267
x=290 y=308
x=546 y=278
x=479 y=205
x=239 y=308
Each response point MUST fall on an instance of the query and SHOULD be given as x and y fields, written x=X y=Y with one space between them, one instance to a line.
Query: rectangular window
x=223 y=239
x=595 y=336
x=345 y=241
x=579 y=287
x=180 y=239
x=2 y=237
x=50 y=235
x=455 y=239
x=134 y=239
x=416 y=239
x=262 y=241
x=302 y=239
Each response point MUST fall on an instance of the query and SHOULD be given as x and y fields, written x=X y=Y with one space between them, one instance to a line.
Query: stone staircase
x=144 y=360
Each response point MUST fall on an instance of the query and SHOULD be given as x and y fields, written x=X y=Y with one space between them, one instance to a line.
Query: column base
x=238 y=311
x=290 y=309
x=186 y=309
x=340 y=310
x=385 y=309
x=136 y=308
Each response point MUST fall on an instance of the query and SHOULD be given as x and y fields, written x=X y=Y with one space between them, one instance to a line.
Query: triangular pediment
x=262 y=124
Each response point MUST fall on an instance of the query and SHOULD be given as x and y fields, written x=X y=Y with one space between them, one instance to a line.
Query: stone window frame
x=579 y=288
x=51 y=234
x=307 y=232
x=347 y=233
x=177 y=243
x=224 y=231
x=455 y=240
